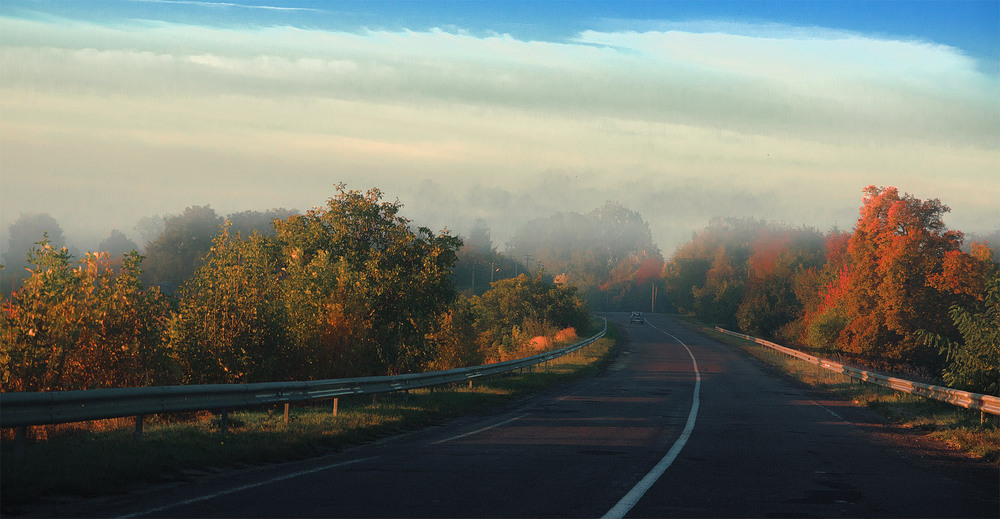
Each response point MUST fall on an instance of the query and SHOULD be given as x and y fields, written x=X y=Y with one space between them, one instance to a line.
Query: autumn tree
x=630 y=283
x=79 y=325
x=819 y=289
x=707 y=276
x=887 y=291
x=778 y=257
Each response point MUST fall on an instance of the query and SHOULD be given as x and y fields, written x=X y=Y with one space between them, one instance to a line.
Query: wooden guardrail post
x=336 y=402
x=286 y=411
x=137 y=434
x=224 y=422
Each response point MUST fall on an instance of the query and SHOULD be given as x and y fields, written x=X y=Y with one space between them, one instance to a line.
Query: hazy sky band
x=768 y=108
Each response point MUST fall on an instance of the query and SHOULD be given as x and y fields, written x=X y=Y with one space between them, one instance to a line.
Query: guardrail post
x=336 y=401
x=224 y=421
x=20 y=442
x=137 y=434
x=286 y=411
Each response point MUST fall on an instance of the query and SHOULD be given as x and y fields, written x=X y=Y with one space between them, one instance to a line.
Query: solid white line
x=477 y=431
x=244 y=487
x=626 y=503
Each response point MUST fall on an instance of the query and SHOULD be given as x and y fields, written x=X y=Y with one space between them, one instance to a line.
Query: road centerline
x=241 y=488
x=477 y=431
x=633 y=496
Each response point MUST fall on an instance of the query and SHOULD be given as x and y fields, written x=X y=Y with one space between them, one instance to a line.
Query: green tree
x=230 y=325
x=363 y=288
x=516 y=310
x=974 y=362
x=248 y=222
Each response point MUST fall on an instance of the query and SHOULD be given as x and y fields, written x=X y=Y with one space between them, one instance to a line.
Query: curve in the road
x=640 y=489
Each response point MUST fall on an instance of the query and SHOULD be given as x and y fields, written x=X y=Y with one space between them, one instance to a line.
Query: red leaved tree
x=903 y=266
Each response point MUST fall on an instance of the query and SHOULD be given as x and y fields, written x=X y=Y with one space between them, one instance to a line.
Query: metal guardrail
x=984 y=403
x=24 y=409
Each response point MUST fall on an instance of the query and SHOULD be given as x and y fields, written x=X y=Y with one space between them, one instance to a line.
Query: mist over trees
x=23 y=235
x=185 y=239
x=607 y=253
x=480 y=263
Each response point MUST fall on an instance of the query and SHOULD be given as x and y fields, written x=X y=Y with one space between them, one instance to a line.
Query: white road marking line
x=244 y=487
x=829 y=411
x=477 y=431
x=632 y=498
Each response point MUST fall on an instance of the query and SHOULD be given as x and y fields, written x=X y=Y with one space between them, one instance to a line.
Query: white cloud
x=804 y=116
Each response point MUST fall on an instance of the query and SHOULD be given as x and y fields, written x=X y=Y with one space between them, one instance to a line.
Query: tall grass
x=102 y=457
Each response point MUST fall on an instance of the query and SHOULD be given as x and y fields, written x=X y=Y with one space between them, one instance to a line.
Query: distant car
x=637 y=318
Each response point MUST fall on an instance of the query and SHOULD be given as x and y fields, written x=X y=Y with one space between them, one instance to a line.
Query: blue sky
x=116 y=110
x=970 y=25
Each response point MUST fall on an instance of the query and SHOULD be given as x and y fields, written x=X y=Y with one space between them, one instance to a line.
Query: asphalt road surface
x=678 y=426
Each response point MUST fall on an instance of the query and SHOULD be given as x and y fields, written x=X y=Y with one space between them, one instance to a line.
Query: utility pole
x=652 y=305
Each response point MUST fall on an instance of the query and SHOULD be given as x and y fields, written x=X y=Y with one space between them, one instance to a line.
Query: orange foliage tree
x=902 y=272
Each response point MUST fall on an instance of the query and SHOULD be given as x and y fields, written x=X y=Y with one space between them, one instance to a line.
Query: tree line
x=353 y=289
x=349 y=289
x=897 y=292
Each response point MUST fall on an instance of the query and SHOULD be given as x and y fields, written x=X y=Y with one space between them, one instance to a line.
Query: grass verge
x=101 y=458
x=959 y=427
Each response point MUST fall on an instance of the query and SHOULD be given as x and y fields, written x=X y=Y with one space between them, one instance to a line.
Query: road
x=678 y=426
